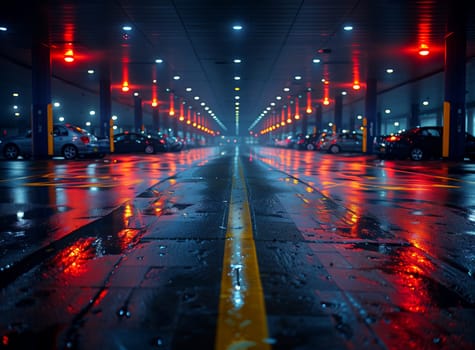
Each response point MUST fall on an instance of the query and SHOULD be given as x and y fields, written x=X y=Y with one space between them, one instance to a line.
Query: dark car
x=420 y=143
x=69 y=141
x=132 y=142
x=173 y=143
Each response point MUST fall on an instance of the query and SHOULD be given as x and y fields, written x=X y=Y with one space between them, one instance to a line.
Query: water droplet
x=159 y=341
x=270 y=341
x=121 y=312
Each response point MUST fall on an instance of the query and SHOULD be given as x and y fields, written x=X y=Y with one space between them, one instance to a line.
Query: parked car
x=69 y=141
x=285 y=142
x=132 y=142
x=305 y=142
x=420 y=143
x=342 y=142
x=173 y=144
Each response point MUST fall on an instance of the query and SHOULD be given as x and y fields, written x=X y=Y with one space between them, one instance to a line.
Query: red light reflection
x=71 y=261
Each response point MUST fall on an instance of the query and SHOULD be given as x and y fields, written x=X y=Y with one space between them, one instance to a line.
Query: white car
x=69 y=141
x=342 y=142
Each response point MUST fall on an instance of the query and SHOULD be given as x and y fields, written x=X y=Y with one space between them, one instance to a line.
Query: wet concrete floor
x=128 y=252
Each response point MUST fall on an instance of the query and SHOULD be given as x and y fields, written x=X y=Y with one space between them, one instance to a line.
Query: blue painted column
x=165 y=123
x=138 y=114
x=105 y=101
x=455 y=61
x=41 y=83
x=414 y=119
x=338 y=116
x=318 y=118
x=156 y=119
x=370 y=113
x=305 y=117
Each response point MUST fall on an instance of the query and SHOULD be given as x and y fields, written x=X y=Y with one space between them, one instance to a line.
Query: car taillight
x=393 y=138
x=85 y=139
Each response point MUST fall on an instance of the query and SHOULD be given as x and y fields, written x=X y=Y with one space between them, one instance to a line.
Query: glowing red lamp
x=424 y=50
x=69 y=56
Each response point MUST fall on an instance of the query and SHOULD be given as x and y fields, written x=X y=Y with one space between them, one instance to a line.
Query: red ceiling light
x=424 y=50
x=309 y=101
x=125 y=86
x=181 y=117
x=171 y=112
x=69 y=56
x=297 y=109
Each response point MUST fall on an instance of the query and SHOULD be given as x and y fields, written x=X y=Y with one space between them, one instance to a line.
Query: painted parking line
x=242 y=321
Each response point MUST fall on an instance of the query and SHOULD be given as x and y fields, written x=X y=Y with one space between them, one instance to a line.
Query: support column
x=338 y=116
x=455 y=52
x=138 y=114
x=414 y=119
x=105 y=101
x=318 y=118
x=175 y=125
x=370 y=113
x=352 y=122
x=165 y=123
x=41 y=110
x=156 y=119
x=305 y=123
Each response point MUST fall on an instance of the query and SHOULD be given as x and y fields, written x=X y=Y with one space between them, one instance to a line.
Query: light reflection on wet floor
x=325 y=251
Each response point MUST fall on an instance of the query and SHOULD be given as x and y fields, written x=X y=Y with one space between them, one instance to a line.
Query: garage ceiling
x=279 y=40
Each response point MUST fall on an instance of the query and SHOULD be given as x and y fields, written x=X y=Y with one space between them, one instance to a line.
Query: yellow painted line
x=242 y=321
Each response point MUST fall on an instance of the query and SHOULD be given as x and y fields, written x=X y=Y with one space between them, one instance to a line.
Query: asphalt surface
x=237 y=248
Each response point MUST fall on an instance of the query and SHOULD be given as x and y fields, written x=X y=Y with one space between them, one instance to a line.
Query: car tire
x=69 y=152
x=11 y=151
x=416 y=154
x=149 y=149
x=334 y=149
x=310 y=147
